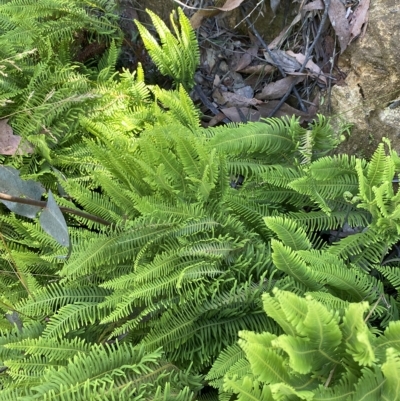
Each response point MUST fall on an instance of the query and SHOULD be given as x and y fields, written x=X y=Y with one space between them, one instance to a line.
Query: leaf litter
x=243 y=78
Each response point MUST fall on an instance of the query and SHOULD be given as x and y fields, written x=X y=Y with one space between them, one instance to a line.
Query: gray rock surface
x=367 y=97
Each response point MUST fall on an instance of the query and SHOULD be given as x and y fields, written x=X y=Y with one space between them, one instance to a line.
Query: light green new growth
x=319 y=353
x=178 y=56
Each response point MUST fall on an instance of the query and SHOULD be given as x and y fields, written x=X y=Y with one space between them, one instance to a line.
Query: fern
x=322 y=355
x=111 y=371
x=186 y=233
x=178 y=56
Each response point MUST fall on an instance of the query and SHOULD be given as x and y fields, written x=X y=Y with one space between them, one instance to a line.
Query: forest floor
x=259 y=59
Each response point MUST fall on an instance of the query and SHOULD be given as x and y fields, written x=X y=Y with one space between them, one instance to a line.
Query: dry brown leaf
x=260 y=69
x=198 y=16
x=277 y=40
x=286 y=62
x=311 y=66
x=217 y=81
x=230 y=5
x=210 y=59
x=276 y=90
x=230 y=99
x=285 y=110
x=314 y=5
x=11 y=144
x=360 y=17
x=216 y=119
x=236 y=114
x=328 y=51
x=337 y=16
x=247 y=58
x=217 y=97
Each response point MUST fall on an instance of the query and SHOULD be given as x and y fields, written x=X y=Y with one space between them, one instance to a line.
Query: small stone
x=223 y=67
x=198 y=78
x=245 y=91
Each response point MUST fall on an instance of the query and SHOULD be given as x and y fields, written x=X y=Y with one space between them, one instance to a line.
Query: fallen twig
x=208 y=104
x=64 y=209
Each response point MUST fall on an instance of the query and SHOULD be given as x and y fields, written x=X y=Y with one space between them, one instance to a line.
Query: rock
x=245 y=91
x=391 y=117
x=162 y=8
x=372 y=65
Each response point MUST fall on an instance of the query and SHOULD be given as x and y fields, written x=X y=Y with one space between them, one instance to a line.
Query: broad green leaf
x=11 y=184
x=53 y=222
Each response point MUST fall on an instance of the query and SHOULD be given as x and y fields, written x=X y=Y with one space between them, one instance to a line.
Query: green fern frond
x=389 y=339
x=391 y=371
x=255 y=138
x=321 y=192
x=281 y=176
x=34 y=23
x=288 y=261
x=226 y=359
x=71 y=317
x=318 y=221
x=106 y=65
x=265 y=363
x=118 y=246
x=250 y=212
x=392 y=274
x=30 y=330
x=127 y=371
x=248 y=389
x=340 y=392
x=97 y=204
x=319 y=344
x=50 y=298
x=363 y=249
x=335 y=273
x=178 y=56
x=278 y=195
x=376 y=167
x=329 y=301
x=329 y=167
x=51 y=348
x=189 y=254
x=357 y=338
x=288 y=232
x=323 y=136
x=180 y=104
x=370 y=383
